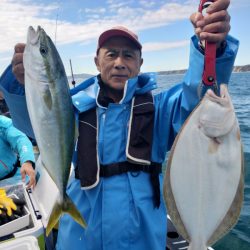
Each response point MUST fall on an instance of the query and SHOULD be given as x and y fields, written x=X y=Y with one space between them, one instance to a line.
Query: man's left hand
x=215 y=25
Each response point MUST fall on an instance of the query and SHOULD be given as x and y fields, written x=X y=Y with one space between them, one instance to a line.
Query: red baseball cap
x=118 y=31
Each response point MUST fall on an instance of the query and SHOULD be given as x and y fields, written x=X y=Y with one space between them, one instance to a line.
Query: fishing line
x=56 y=27
x=57 y=14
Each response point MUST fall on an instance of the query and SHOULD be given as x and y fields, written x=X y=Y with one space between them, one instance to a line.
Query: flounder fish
x=204 y=180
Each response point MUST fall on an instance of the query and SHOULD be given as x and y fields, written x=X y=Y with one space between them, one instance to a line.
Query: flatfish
x=204 y=180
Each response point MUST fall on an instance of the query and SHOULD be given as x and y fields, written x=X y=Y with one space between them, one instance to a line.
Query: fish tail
x=193 y=246
x=71 y=209
x=59 y=209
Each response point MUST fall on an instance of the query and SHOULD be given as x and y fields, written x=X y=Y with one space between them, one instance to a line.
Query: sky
x=163 y=28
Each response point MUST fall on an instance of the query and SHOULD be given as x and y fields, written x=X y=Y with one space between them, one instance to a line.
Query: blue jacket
x=13 y=142
x=119 y=210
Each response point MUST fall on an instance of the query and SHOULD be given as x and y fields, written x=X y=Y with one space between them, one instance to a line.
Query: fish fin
x=71 y=209
x=67 y=207
x=54 y=218
x=47 y=98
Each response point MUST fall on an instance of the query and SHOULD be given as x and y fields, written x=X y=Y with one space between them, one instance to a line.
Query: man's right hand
x=17 y=62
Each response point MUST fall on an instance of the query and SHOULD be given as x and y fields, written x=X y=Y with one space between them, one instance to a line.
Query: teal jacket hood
x=85 y=95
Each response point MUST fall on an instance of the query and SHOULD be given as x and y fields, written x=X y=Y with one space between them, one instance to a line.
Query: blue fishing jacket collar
x=85 y=95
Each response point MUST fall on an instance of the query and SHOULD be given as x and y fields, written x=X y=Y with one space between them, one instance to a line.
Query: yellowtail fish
x=52 y=117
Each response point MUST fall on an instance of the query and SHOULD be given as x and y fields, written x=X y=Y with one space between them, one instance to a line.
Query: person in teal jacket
x=15 y=146
x=124 y=134
x=4 y=110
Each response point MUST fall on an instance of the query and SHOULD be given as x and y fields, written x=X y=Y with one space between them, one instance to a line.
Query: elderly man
x=124 y=134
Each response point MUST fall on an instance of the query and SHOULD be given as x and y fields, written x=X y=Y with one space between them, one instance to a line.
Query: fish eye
x=43 y=50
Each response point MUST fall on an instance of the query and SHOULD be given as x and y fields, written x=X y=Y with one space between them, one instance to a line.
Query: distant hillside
x=80 y=77
x=172 y=72
x=244 y=68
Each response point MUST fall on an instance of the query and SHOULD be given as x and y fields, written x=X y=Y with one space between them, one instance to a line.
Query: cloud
x=147 y=4
x=115 y=4
x=17 y=15
x=97 y=10
x=163 y=46
x=93 y=13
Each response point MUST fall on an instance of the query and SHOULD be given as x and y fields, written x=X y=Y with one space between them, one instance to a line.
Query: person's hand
x=17 y=62
x=6 y=202
x=215 y=25
x=27 y=169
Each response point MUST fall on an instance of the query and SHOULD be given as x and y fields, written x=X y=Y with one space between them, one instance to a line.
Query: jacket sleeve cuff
x=26 y=151
x=14 y=95
x=9 y=83
x=219 y=51
x=224 y=63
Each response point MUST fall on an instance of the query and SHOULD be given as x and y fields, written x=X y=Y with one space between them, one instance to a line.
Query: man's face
x=117 y=61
